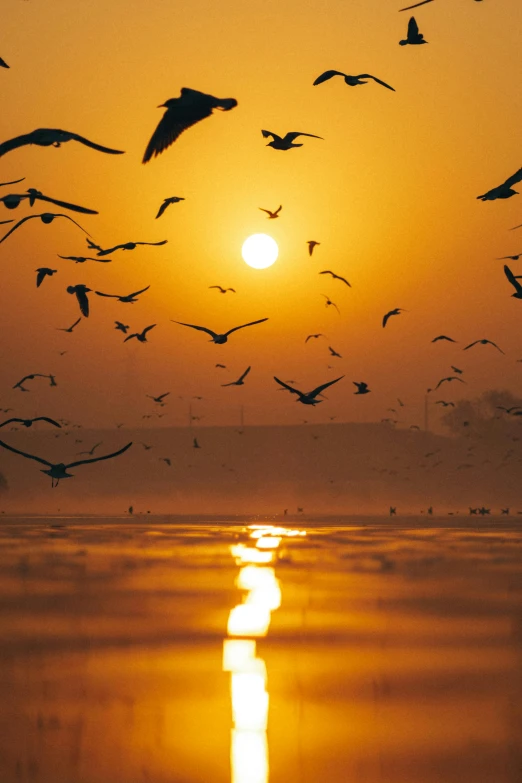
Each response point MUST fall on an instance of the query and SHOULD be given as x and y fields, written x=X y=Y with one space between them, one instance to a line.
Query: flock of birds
x=181 y=113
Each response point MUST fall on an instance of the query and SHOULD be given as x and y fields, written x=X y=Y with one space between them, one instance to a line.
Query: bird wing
x=162 y=208
x=131 y=336
x=294 y=134
x=83 y=301
x=385 y=319
x=18 y=141
x=16 y=225
x=375 y=79
x=471 y=345
x=135 y=293
x=191 y=107
x=8 y=421
x=336 y=277
x=251 y=323
x=163 y=242
x=323 y=386
x=162 y=396
x=327 y=75
x=512 y=279
x=46 y=418
x=409 y=7
x=112 y=296
x=72 y=221
x=290 y=388
x=199 y=328
x=98 y=459
x=413 y=27
x=66 y=205
x=245 y=374
x=516 y=177
x=40 y=277
x=147 y=329
x=23 y=454
x=94 y=146
x=216 y=286
x=266 y=134
x=267 y=211
x=14 y=182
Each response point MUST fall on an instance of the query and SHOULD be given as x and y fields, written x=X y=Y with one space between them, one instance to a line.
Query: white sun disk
x=259 y=251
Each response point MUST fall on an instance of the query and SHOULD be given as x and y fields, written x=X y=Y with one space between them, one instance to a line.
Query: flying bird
x=334 y=353
x=31 y=377
x=272 y=215
x=158 y=399
x=335 y=277
x=445 y=404
x=45 y=217
x=311 y=245
x=13 y=200
x=128 y=298
x=81 y=292
x=219 y=339
x=125 y=246
x=505 y=190
x=352 y=81
x=83 y=259
x=90 y=452
x=183 y=112
x=223 y=290
x=167 y=202
x=413 y=36
x=362 y=387
x=42 y=272
x=286 y=142
x=51 y=137
x=513 y=279
x=240 y=381
x=30 y=422
x=448 y=380
x=308 y=398
x=389 y=314
x=315 y=336
x=69 y=328
x=140 y=336
x=329 y=303
x=510 y=258
x=443 y=337
x=483 y=342
x=456 y=369
x=121 y=327
x=59 y=470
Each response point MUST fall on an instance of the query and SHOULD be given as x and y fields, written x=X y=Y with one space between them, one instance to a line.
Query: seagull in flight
x=158 y=399
x=352 y=81
x=445 y=404
x=69 y=328
x=389 y=314
x=413 y=36
x=505 y=190
x=223 y=290
x=483 y=342
x=52 y=137
x=59 y=470
x=81 y=292
x=308 y=398
x=31 y=377
x=45 y=217
x=30 y=422
x=286 y=142
x=443 y=337
x=334 y=353
x=513 y=279
x=335 y=277
x=140 y=336
x=125 y=246
x=167 y=202
x=219 y=339
x=42 y=272
x=90 y=452
x=362 y=388
x=315 y=336
x=448 y=380
x=128 y=298
x=183 y=112
x=83 y=259
x=329 y=303
x=240 y=381
x=13 y=200
x=121 y=327
x=456 y=369
x=510 y=258
x=311 y=245
x=272 y=215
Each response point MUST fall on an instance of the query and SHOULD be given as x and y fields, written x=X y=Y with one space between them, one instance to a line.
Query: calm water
x=371 y=652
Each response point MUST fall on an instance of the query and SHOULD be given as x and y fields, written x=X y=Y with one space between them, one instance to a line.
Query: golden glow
x=268 y=542
x=239 y=655
x=260 y=251
x=249 y=757
x=249 y=619
x=249 y=700
x=248 y=554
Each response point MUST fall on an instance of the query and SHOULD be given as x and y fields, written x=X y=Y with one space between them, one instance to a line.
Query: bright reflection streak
x=249 y=701
x=249 y=757
x=260 y=530
x=239 y=655
x=249 y=619
x=248 y=554
x=268 y=542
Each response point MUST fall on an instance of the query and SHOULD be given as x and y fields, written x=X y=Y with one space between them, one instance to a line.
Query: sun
x=259 y=251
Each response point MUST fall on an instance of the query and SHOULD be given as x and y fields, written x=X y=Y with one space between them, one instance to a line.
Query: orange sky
x=390 y=194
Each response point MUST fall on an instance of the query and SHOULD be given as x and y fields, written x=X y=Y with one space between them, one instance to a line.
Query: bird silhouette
x=456 y=369
x=81 y=292
x=129 y=298
x=219 y=339
x=510 y=258
x=286 y=142
x=413 y=36
x=12 y=182
x=503 y=191
x=335 y=277
x=362 y=387
x=159 y=399
x=483 y=342
x=352 y=81
x=166 y=460
x=312 y=244
x=30 y=377
x=83 y=259
x=126 y=246
x=448 y=380
x=308 y=398
x=329 y=303
x=221 y=366
x=42 y=272
x=315 y=336
x=51 y=137
x=13 y=200
x=140 y=336
x=183 y=112
x=334 y=353
x=513 y=279
x=30 y=422
x=90 y=452
x=69 y=328
x=223 y=290
x=167 y=202
x=272 y=215
x=240 y=381
x=121 y=327
x=59 y=470
x=443 y=337
x=45 y=217
x=389 y=314
x=445 y=404
x=508 y=410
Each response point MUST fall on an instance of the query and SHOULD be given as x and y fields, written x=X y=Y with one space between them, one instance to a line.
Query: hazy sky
x=390 y=193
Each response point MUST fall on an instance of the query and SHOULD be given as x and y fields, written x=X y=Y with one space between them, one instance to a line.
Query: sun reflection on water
x=248 y=677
